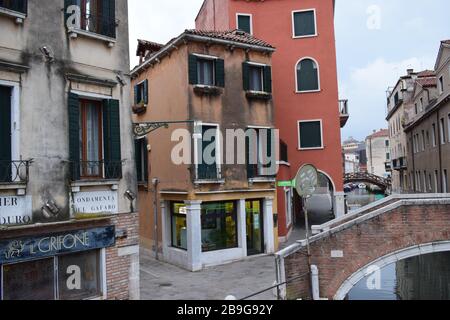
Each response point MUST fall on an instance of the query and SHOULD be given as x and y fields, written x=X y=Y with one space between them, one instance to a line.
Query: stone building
x=428 y=132
x=67 y=173
x=197 y=212
x=378 y=153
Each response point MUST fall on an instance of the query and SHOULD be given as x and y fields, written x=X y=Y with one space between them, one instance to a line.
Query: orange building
x=307 y=107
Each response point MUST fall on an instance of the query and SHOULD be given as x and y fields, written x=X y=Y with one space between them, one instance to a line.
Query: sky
x=376 y=41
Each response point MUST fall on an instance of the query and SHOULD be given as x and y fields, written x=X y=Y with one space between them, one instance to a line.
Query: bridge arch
x=415 y=251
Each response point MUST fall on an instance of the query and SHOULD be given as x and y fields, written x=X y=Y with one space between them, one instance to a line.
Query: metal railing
x=343 y=107
x=14 y=171
x=102 y=25
x=96 y=170
x=15 y=5
x=207 y=172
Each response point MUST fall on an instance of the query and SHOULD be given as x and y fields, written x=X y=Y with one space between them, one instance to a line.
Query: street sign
x=286 y=184
x=306 y=180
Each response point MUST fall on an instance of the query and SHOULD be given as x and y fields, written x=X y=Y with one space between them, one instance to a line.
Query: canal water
x=425 y=277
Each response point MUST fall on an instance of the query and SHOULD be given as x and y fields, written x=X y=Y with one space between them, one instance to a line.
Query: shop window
x=179 y=226
x=244 y=23
x=219 y=226
x=307 y=76
x=304 y=23
x=310 y=135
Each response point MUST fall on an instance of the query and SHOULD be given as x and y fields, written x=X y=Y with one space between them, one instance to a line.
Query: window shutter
x=220 y=73
x=5 y=134
x=304 y=23
x=307 y=75
x=22 y=6
x=146 y=92
x=245 y=76
x=268 y=79
x=111 y=139
x=136 y=94
x=108 y=18
x=145 y=153
x=193 y=76
x=138 y=159
x=310 y=135
x=74 y=136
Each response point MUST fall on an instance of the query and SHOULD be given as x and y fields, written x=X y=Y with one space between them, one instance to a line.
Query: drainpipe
x=315 y=283
x=155 y=213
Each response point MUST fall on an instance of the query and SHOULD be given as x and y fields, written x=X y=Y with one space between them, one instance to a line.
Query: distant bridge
x=364 y=177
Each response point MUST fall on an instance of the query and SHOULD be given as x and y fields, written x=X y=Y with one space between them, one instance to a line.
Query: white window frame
x=293 y=23
x=299 y=138
x=239 y=14
x=211 y=58
x=219 y=143
x=262 y=66
x=318 y=76
x=140 y=86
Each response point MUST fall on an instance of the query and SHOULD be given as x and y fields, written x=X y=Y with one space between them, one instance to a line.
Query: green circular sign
x=306 y=180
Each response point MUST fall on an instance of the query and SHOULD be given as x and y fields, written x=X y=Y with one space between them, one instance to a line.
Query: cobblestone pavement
x=161 y=281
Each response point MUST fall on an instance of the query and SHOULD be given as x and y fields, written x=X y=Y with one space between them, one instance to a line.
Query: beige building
x=429 y=131
x=207 y=212
x=378 y=153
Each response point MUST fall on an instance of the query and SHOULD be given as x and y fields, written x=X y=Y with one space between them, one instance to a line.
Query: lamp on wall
x=131 y=197
x=50 y=209
x=48 y=53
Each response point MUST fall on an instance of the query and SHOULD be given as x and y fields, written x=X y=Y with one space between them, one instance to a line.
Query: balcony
x=14 y=175
x=96 y=170
x=400 y=164
x=343 y=111
x=14 y=8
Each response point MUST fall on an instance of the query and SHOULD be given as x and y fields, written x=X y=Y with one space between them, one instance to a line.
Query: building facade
x=378 y=153
x=428 y=132
x=67 y=175
x=308 y=112
x=203 y=202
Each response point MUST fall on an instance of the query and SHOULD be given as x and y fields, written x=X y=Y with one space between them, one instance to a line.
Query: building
x=67 y=179
x=378 y=153
x=308 y=112
x=204 y=85
x=428 y=132
x=400 y=110
x=355 y=158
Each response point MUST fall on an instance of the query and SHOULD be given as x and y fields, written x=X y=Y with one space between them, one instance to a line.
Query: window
x=94 y=138
x=387 y=143
x=442 y=130
x=219 y=226
x=423 y=140
x=304 y=23
x=416 y=110
x=307 y=75
x=97 y=16
x=421 y=104
x=141 y=93
x=388 y=156
x=430 y=183
x=206 y=71
x=244 y=22
x=141 y=154
x=441 y=84
x=433 y=135
x=310 y=135
x=257 y=77
x=436 y=181
x=424 y=181
x=91 y=147
x=396 y=98
x=48 y=279
x=208 y=167
x=179 y=226
x=15 y=5
x=260 y=152
x=5 y=134
x=444 y=181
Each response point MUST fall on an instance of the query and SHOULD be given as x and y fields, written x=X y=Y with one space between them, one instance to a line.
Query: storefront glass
x=255 y=231
x=179 y=226
x=219 y=226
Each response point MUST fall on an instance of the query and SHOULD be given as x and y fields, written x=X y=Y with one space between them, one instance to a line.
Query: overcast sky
x=377 y=40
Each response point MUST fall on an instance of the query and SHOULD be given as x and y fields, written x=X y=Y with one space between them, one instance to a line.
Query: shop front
x=199 y=234
x=68 y=265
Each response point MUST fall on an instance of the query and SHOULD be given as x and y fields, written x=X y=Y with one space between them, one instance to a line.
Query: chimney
x=410 y=71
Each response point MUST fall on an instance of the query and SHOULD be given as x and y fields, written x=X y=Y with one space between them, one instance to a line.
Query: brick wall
x=364 y=243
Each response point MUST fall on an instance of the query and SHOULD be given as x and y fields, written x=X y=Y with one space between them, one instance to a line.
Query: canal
x=425 y=277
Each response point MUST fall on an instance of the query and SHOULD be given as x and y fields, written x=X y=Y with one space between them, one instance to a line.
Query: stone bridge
x=365 y=177
x=343 y=250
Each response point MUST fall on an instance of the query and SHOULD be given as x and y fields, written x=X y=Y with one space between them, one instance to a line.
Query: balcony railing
x=207 y=172
x=15 y=5
x=85 y=170
x=14 y=171
x=344 y=112
x=400 y=163
x=102 y=25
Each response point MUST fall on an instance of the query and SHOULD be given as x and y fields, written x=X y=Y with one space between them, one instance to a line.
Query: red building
x=307 y=107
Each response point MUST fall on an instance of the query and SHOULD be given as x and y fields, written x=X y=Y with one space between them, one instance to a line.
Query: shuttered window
x=207 y=166
x=256 y=77
x=141 y=93
x=244 y=23
x=206 y=71
x=141 y=156
x=15 y=5
x=307 y=76
x=304 y=23
x=310 y=135
x=5 y=134
x=260 y=152
x=112 y=143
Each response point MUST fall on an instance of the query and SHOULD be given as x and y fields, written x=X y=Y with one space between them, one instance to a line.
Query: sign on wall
x=95 y=202
x=15 y=210
x=15 y=250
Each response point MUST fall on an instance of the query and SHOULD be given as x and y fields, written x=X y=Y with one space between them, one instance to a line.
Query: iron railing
x=102 y=25
x=96 y=170
x=15 y=5
x=15 y=171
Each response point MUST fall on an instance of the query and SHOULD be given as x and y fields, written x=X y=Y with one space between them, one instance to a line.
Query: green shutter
x=193 y=76
x=310 y=135
x=108 y=18
x=145 y=84
x=220 y=73
x=74 y=136
x=307 y=76
x=304 y=23
x=138 y=158
x=5 y=134
x=268 y=79
x=145 y=153
x=244 y=23
x=111 y=139
x=246 y=76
